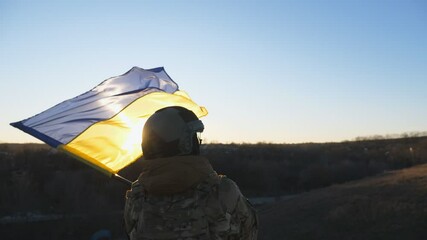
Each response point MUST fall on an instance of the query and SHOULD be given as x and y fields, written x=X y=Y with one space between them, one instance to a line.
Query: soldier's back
x=211 y=210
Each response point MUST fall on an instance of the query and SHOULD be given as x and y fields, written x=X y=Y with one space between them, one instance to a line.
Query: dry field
x=392 y=205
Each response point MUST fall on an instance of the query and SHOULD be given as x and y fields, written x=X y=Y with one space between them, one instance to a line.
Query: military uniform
x=182 y=197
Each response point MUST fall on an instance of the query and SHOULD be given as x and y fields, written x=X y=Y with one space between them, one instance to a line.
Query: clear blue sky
x=275 y=71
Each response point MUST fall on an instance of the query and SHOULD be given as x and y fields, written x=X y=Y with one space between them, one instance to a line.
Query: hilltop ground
x=392 y=205
x=389 y=206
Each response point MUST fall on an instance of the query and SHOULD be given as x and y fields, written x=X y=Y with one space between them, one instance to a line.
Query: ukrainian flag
x=103 y=127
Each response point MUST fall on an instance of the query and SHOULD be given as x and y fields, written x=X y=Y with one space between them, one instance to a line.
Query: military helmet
x=171 y=131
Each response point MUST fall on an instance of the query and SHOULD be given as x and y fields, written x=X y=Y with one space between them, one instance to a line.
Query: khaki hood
x=166 y=176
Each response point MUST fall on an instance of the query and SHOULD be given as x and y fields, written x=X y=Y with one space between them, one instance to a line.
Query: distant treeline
x=392 y=136
x=37 y=178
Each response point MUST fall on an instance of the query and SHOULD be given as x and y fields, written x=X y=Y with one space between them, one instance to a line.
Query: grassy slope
x=390 y=206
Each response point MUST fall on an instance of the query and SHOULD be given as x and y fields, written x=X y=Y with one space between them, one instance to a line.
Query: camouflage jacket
x=212 y=208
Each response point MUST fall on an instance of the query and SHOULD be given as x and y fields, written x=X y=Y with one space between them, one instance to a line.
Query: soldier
x=178 y=195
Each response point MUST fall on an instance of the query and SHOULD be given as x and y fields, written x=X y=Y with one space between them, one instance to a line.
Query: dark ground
x=390 y=206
